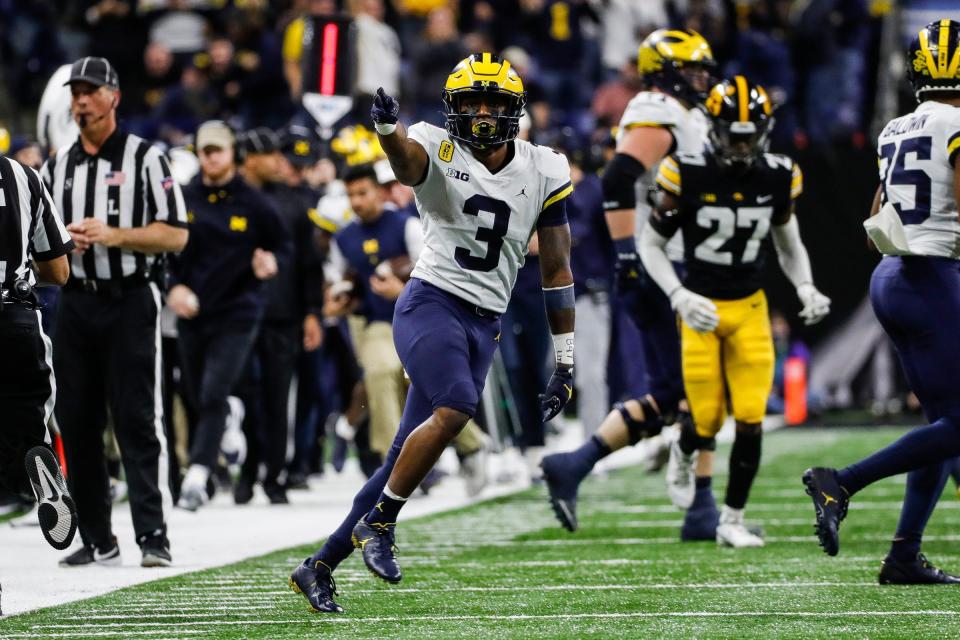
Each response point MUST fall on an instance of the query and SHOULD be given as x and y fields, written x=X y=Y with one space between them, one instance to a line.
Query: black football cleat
x=562 y=490
x=315 y=582
x=376 y=542
x=56 y=512
x=916 y=571
x=830 y=501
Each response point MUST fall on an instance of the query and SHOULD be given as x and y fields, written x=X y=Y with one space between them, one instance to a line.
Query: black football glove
x=558 y=392
x=385 y=108
x=628 y=273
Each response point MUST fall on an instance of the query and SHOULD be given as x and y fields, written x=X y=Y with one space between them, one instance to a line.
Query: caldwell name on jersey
x=917 y=154
x=474 y=241
x=726 y=218
x=689 y=130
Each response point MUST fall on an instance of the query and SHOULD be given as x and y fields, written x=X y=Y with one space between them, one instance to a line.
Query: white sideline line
x=496 y=618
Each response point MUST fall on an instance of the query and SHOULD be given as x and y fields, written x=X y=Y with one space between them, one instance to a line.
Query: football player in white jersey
x=915 y=291
x=481 y=194
x=675 y=66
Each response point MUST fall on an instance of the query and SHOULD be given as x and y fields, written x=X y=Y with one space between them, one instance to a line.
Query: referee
x=122 y=206
x=30 y=229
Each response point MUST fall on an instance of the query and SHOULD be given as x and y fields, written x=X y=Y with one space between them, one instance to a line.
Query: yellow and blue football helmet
x=665 y=53
x=493 y=77
x=741 y=118
x=933 y=58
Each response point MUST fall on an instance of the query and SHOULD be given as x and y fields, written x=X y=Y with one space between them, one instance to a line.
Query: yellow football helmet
x=488 y=75
x=665 y=53
x=933 y=59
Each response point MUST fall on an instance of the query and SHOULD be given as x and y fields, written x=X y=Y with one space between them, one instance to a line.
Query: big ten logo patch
x=458 y=175
x=446 y=151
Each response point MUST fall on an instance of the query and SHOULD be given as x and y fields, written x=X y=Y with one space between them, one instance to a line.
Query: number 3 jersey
x=917 y=154
x=726 y=218
x=477 y=224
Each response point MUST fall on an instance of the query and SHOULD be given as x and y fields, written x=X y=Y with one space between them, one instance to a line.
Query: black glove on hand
x=385 y=108
x=558 y=392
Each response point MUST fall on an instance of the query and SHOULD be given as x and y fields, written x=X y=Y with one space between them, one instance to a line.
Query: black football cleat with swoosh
x=57 y=512
x=830 y=501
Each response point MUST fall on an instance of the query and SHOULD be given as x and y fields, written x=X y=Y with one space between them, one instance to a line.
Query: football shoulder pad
x=652 y=109
x=550 y=164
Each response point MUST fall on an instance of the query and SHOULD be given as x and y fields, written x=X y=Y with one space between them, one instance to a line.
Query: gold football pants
x=732 y=363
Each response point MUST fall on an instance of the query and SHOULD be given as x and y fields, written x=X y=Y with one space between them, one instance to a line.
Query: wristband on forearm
x=558 y=300
x=625 y=246
x=385 y=128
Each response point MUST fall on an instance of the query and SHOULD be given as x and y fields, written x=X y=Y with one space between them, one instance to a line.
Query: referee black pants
x=108 y=357
x=26 y=392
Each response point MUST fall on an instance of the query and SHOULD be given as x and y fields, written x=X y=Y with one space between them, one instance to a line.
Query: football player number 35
x=493 y=236
x=725 y=222
x=895 y=173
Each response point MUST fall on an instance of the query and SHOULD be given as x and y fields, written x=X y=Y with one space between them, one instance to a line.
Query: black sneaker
x=243 y=491
x=108 y=556
x=916 y=571
x=276 y=492
x=376 y=542
x=316 y=584
x=156 y=550
x=562 y=487
x=830 y=501
x=56 y=511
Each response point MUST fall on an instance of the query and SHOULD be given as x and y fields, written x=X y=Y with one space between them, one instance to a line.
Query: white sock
x=392 y=495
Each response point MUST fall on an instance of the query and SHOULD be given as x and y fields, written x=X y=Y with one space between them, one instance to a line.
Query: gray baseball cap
x=96 y=71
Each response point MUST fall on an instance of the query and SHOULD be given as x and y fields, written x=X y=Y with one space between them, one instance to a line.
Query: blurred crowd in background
x=184 y=62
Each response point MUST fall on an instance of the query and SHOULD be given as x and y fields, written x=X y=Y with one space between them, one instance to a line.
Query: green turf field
x=502 y=569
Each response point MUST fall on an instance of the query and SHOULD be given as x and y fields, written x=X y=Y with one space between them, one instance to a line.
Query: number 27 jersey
x=477 y=224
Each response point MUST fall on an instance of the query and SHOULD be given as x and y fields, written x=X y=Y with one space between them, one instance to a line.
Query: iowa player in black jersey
x=729 y=201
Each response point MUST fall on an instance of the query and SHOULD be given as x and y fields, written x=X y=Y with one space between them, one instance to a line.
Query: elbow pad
x=619 y=182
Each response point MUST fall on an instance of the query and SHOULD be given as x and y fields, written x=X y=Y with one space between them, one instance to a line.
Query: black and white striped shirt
x=29 y=224
x=126 y=184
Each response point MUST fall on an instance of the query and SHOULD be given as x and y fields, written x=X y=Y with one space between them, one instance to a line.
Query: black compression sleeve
x=619 y=182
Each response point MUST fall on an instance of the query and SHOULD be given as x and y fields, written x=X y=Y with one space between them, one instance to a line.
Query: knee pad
x=637 y=430
x=690 y=440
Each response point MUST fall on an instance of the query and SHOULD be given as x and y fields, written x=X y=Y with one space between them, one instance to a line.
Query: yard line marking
x=495 y=618
x=863 y=505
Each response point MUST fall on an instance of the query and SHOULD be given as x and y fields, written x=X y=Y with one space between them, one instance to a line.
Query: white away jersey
x=917 y=154
x=477 y=225
x=689 y=129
